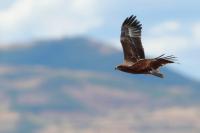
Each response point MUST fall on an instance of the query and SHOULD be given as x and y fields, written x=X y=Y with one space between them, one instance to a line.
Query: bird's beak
x=115 y=68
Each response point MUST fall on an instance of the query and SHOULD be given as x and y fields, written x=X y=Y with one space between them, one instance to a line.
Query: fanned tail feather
x=168 y=59
x=161 y=61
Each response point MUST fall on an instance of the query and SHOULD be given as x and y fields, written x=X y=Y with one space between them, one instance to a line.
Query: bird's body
x=134 y=56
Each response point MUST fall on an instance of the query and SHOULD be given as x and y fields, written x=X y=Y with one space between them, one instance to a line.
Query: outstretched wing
x=131 y=39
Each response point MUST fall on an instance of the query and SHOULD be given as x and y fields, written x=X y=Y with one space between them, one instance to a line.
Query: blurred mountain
x=70 y=85
x=80 y=54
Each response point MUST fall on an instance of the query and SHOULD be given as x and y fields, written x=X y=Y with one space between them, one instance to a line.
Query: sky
x=169 y=26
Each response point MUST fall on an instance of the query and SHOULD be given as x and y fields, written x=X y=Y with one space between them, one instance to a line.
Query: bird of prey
x=134 y=56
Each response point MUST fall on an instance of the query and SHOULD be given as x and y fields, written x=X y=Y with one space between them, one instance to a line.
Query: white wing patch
x=134 y=32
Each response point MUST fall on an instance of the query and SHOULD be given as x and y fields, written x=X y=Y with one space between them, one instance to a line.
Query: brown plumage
x=134 y=56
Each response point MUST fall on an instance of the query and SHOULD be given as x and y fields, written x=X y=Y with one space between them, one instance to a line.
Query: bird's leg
x=156 y=72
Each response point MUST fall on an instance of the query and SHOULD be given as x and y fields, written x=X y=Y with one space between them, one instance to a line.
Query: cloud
x=33 y=19
x=5 y=3
x=166 y=27
x=172 y=36
x=196 y=32
x=165 y=44
x=165 y=37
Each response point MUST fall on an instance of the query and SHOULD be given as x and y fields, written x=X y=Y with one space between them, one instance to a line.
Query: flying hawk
x=134 y=56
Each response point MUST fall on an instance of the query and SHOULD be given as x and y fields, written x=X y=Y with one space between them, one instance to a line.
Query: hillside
x=70 y=85
x=79 y=54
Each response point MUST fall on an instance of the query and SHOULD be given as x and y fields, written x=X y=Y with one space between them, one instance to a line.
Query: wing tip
x=133 y=22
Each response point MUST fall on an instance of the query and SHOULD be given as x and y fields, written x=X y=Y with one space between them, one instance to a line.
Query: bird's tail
x=162 y=60
x=167 y=59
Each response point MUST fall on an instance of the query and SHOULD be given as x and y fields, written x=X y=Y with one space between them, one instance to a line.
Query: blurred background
x=57 y=60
